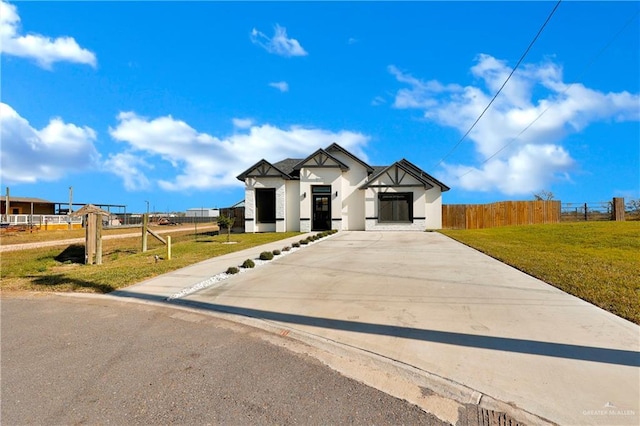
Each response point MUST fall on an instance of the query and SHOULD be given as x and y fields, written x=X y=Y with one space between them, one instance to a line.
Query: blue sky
x=169 y=101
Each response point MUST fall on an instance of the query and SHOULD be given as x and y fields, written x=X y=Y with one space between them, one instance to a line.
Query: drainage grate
x=478 y=416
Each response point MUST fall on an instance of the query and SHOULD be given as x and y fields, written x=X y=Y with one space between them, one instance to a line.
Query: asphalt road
x=71 y=360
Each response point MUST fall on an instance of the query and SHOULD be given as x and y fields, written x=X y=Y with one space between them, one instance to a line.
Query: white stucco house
x=334 y=189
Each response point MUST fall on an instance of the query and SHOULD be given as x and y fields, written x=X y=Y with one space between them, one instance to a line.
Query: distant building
x=202 y=212
x=26 y=205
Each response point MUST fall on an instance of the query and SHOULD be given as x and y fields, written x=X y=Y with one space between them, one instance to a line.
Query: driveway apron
x=435 y=304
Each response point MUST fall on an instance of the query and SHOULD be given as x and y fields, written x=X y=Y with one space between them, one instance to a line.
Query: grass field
x=595 y=261
x=23 y=237
x=61 y=268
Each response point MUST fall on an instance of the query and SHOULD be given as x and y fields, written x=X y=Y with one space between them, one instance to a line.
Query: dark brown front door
x=321 y=212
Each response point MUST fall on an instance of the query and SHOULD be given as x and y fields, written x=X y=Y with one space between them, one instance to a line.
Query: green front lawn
x=595 y=261
x=62 y=268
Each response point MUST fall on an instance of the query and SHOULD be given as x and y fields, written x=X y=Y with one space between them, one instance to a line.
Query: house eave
x=408 y=168
x=339 y=163
x=335 y=146
x=247 y=173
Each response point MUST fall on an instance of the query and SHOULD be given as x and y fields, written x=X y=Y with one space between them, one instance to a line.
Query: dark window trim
x=305 y=218
x=270 y=213
x=337 y=218
x=409 y=199
x=315 y=189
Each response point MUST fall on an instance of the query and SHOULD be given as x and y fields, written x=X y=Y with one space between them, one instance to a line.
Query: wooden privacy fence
x=237 y=213
x=504 y=213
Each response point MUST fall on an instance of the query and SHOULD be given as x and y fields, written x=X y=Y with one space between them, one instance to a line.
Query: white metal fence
x=40 y=219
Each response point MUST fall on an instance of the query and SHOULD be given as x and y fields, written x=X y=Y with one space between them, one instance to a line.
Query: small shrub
x=226 y=222
x=248 y=263
x=304 y=242
x=287 y=248
x=232 y=270
x=276 y=252
x=296 y=244
x=266 y=255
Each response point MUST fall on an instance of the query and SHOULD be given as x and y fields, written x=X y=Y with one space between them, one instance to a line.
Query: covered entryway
x=321 y=198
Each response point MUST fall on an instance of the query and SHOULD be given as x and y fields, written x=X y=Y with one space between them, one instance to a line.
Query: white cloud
x=279 y=44
x=30 y=155
x=378 y=100
x=420 y=95
x=282 y=86
x=44 y=50
x=533 y=160
x=203 y=161
x=528 y=170
x=128 y=166
x=242 y=123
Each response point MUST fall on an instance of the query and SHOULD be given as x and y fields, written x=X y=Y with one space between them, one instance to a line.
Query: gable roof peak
x=424 y=174
x=335 y=147
x=320 y=161
x=425 y=178
x=247 y=173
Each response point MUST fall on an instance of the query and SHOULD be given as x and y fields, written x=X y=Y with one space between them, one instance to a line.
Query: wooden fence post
x=90 y=239
x=98 y=239
x=618 y=209
x=585 y=212
x=145 y=226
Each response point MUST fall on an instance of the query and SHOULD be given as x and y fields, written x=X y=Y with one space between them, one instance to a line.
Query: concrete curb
x=442 y=397
x=434 y=394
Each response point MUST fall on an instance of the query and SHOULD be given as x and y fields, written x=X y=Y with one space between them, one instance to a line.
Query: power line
x=591 y=62
x=503 y=84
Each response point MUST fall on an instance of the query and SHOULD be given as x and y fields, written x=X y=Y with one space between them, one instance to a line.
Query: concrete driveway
x=470 y=326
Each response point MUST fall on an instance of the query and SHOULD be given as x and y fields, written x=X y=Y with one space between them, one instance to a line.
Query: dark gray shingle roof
x=377 y=170
x=287 y=164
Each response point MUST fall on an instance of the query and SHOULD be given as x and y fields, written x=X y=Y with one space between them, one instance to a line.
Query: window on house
x=266 y=205
x=395 y=207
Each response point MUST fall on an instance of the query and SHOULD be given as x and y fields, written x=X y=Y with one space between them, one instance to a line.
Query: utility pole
x=7 y=206
x=147 y=206
x=70 y=204
x=195 y=223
